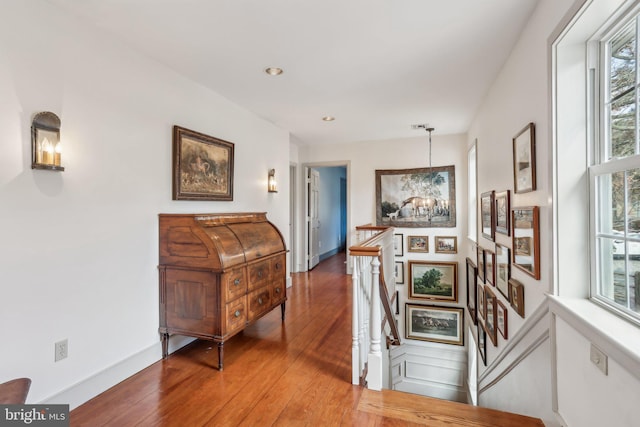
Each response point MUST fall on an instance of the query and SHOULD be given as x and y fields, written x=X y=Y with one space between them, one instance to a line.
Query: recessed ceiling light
x=328 y=118
x=273 y=71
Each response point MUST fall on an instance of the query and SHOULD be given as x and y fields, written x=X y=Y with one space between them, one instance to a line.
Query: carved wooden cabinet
x=218 y=273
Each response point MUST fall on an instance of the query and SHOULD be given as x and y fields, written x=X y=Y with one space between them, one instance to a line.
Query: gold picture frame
x=202 y=166
x=435 y=324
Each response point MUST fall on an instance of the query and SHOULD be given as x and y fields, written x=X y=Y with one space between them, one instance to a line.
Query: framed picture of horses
x=434 y=323
x=202 y=166
x=419 y=198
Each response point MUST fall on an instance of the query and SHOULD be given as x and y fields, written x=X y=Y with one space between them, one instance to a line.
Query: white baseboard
x=101 y=381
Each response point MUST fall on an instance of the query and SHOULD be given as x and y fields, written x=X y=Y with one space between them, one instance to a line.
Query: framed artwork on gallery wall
x=480 y=257
x=434 y=323
x=502 y=317
x=524 y=160
x=487 y=214
x=472 y=283
x=489 y=266
x=503 y=210
x=525 y=235
x=431 y=280
x=399 y=272
x=482 y=343
x=418 y=244
x=398 y=243
x=446 y=244
x=480 y=303
x=503 y=270
x=516 y=293
x=422 y=197
x=202 y=166
x=490 y=302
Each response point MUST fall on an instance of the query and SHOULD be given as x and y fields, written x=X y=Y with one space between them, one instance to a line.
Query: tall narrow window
x=472 y=226
x=615 y=175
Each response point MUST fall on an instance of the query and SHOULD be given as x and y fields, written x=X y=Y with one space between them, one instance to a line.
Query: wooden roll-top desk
x=218 y=274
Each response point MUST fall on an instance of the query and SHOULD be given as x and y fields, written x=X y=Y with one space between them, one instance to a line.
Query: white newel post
x=374 y=368
x=355 y=328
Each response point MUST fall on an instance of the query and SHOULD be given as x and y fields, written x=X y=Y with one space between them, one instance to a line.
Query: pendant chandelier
x=430 y=194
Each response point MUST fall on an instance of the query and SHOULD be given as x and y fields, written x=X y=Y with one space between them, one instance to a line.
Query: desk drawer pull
x=260 y=301
x=237 y=313
x=277 y=290
x=236 y=282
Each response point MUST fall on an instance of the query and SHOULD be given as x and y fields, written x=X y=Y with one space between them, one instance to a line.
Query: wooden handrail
x=372 y=304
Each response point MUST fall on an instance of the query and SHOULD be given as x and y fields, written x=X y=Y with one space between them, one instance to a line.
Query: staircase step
x=436 y=412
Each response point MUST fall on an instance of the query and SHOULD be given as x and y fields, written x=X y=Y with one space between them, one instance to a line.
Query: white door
x=314 y=221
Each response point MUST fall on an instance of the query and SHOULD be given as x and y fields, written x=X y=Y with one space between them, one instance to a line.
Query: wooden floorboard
x=291 y=373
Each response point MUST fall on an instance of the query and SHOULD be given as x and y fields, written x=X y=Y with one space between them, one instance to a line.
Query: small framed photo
x=503 y=270
x=480 y=302
x=503 y=209
x=446 y=244
x=435 y=324
x=525 y=233
x=487 y=213
x=481 y=269
x=524 y=160
x=502 y=314
x=482 y=344
x=399 y=272
x=418 y=244
x=472 y=283
x=490 y=302
x=489 y=266
x=431 y=280
x=516 y=293
x=202 y=166
x=398 y=247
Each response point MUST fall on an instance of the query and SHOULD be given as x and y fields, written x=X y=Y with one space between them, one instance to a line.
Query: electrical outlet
x=598 y=358
x=62 y=350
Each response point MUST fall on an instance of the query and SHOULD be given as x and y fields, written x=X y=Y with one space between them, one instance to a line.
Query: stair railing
x=373 y=282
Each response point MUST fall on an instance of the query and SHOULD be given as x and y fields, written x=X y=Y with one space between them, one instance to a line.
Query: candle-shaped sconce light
x=272 y=185
x=45 y=142
x=57 y=155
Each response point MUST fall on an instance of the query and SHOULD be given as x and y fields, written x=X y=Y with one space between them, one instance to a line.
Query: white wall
x=80 y=248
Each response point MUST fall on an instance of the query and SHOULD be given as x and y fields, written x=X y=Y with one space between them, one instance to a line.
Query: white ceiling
x=378 y=66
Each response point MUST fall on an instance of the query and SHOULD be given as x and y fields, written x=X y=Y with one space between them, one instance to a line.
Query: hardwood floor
x=291 y=373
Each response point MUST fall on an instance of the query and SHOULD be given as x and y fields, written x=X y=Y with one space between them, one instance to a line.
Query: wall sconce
x=46 y=149
x=272 y=185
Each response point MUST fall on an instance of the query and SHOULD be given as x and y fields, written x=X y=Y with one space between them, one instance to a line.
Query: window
x=472 y=189
x=615 y=173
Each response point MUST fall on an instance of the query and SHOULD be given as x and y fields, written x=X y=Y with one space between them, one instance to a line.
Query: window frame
x=472 y=192
x=599 y=143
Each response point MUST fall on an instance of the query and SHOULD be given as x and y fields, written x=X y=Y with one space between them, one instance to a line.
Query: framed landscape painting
x=202 y=166
x=472 y=283
x=418 y=244
x=434 y=323
x=431 y=280
x=446 y=244
x=503 y=270
x=525 y=232
x=524 y=160
x=487 y=214
x=399 y=272
x=398 y=243
x=502 y=212
x=422 y=197
x=491 y=319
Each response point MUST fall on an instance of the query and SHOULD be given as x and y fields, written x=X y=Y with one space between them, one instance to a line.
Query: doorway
x=326 y=211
